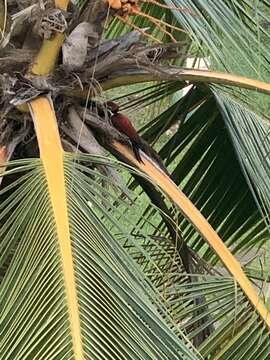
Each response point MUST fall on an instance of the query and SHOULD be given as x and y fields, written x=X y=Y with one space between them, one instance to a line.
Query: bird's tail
x=136 y=150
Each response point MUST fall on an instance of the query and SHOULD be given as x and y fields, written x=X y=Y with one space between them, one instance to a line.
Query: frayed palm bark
x=17 y=22
x=126 y=61
x=141 y=64
x=6 y=152
x=111 y=47
x=15 y=60
x=69 y=147
x=74 y=49
x=96 y=13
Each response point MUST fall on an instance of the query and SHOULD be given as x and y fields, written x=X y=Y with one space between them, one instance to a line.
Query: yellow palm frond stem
x=47 y=56
x=164 y=73
x=61 y=4
x=3 y=161
x=23 y=107
x=51 y=154
x=200 y=223
x=3 y=157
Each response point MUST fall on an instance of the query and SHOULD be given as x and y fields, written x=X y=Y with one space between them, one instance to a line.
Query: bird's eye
x=109 y=112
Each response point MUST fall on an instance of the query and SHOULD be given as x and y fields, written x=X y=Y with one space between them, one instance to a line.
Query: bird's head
x=112 y=107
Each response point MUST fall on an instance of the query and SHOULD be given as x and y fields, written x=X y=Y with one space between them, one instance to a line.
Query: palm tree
x=117 y=258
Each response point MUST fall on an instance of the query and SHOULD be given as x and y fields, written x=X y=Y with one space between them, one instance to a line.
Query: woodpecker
x=123 y=124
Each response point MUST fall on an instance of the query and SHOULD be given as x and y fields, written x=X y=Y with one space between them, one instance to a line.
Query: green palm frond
x=116 y=295
x=202 y=159
x=212 y=30
x=113 y=294
x=250 y=136
x=225 y=309
x=196 y=302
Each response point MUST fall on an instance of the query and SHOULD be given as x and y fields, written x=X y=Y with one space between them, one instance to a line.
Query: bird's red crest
x=112 y=106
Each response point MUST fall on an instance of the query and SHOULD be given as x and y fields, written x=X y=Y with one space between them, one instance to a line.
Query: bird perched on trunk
x=123 y=124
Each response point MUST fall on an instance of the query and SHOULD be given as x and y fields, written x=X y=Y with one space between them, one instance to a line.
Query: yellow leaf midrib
x=47 y=56
x=52 y=157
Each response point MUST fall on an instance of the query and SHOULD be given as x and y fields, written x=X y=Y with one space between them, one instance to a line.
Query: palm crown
x=122 y=258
